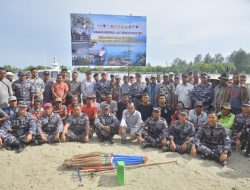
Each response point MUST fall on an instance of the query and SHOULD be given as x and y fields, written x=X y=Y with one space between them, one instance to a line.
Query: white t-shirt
x=183 y=92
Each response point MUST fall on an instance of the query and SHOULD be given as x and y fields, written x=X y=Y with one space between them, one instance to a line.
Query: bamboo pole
x=91 y=171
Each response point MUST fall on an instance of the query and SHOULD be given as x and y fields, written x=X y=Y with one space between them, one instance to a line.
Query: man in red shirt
x=59 y=89
x=37 y=109
x=91 y=110
x=74 y=101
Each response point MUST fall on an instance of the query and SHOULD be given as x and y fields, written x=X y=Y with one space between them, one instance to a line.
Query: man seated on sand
x=212 y=141
x=154 y=130
x=241 y=128
x=19 y=128
x=106 y=125
x=181 y=135
x=130 y=123
x=49 y=125
x=76 y=127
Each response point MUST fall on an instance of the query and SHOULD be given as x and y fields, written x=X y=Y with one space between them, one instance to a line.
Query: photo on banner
x=108 y=40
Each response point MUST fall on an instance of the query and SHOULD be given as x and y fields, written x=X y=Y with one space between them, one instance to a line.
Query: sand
x=40 y=167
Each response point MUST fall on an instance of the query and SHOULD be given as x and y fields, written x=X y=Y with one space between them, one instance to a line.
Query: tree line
x=238 y=60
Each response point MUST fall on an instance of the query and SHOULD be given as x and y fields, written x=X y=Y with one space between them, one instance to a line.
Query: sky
x=34 y=31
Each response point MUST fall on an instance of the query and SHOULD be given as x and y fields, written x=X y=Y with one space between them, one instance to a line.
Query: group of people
x=187 y=113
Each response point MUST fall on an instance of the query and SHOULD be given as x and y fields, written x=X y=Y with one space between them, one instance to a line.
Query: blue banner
x=108 y=40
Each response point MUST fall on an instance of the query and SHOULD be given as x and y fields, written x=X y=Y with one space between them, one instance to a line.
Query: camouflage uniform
x=77 y=127
x=102 y=88
x=47 y=93
x=109 y=120
x=14 y=131
x=10 y=111
x=2 y=113
x=211 y=142
x=242 y=124
x=38 y=85
x=135 y=92
x=153 y=131
x=49 y=126
x=23 y=90
x=182 y=133
x=203 y=93
x=167 y=88
x=115 y=92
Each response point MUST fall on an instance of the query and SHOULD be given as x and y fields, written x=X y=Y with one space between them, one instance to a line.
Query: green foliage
x=241 y=60
x=238 y=61
x=10 y=68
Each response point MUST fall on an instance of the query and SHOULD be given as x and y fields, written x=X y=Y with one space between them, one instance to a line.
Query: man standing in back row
x=136 y=90
x=203 y=92
x=6 y=89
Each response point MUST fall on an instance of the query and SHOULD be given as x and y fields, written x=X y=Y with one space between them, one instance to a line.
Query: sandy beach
x=40 y=167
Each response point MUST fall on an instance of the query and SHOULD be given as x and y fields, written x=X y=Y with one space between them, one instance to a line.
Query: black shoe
x=111 y=140
x=243 y=146
x=146 y=145
x=101 y=139
x=165 y=149
x=123 y=141
x=247 y=154
x=20 y=148
x=202 y=156
x=223 y=163
x=35 y=143
x=215 y=156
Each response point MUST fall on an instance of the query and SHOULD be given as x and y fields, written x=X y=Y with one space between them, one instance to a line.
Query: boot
x=214 y=156
x=247 y=153
x=111 y=140
x=243 y=146
x=124 y=140
x=19 y=147
x=165 y=149
x=146 y=145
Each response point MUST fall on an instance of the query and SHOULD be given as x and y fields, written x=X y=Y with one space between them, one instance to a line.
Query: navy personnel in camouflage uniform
x=49 y=125
x=22 y=89
x=212 y=141
x=181 y=134
x=102 y=87
x=154 y=130
x=3 y=116
x=37 y=83
x=76 y=127
x=241 y=129
x=19 y=128
x=12 y=108
x=106 y=125
x=136 y=90
x=47 y=93
x=167 y=88
x=203 y=92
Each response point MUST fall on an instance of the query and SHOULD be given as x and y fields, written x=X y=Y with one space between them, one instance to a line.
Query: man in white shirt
x=88 y=86
x=6 y=89
x=130 y=123
x=183 y=91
